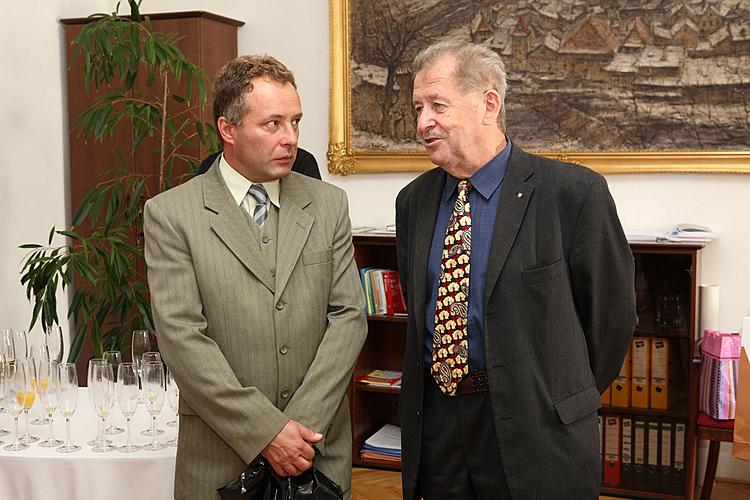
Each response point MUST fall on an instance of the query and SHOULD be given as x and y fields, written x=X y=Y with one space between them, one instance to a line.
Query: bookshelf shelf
x=386 y=318
x=376 y=388
x=666 y=289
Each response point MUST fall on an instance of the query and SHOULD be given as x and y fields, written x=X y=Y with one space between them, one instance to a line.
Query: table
x=716 y=432
x=38 y=473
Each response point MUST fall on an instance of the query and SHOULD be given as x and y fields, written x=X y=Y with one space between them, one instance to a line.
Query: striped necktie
x=260 y=214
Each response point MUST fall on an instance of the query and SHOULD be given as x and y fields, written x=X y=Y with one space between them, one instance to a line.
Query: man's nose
x=424 y=122
x=291 y=135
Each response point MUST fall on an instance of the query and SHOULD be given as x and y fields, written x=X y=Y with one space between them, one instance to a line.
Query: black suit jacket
x=304 y=163
x=559 y=318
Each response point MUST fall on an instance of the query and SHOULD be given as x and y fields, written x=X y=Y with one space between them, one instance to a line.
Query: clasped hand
x=290 y=453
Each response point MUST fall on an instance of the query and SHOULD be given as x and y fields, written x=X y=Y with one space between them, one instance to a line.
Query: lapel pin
x=519 y=195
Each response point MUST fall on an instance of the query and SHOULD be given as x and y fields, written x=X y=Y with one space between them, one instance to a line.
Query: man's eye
x=295 y=122
x=272 y=124
x=440 y=106
x=418 y=110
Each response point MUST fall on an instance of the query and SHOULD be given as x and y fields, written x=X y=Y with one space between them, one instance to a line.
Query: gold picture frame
x=343 y=159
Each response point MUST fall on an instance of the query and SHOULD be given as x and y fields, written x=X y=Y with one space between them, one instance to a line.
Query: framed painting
x=622 y=87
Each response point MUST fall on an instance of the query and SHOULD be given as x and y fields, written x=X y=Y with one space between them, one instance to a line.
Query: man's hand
x=290 y=453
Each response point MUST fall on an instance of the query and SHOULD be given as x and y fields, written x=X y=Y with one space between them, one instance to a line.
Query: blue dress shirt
x=484 y=198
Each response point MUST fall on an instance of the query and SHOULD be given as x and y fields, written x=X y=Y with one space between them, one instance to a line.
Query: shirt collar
x=238 y=184
x=487 y=179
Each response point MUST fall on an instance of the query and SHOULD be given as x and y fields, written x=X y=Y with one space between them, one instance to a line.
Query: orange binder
x=612 y=450
x=639 y=393
x=606 y=396
x=660 y=363
x=621 y=385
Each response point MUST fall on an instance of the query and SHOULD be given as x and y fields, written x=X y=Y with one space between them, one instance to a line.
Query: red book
x=393 y=295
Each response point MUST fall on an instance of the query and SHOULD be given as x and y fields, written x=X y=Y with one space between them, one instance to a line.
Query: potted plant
x=110 y=297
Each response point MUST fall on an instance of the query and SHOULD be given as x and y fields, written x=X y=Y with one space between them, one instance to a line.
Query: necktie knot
x=260 y=213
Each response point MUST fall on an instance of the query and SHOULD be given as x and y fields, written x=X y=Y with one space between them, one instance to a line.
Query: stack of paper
x=384 y=444
x=692 y=233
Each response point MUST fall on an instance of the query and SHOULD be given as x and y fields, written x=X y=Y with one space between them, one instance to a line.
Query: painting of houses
x=583 y=75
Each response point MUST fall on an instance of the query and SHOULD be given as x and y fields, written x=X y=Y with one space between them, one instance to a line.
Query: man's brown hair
x=235 y=79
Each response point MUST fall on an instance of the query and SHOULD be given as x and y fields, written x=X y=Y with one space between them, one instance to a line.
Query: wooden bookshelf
x=663 y=271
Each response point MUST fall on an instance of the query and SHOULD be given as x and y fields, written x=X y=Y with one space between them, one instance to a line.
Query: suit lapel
x=514 y=199
x=232 y=226
x=294 y=228
x=429 y=197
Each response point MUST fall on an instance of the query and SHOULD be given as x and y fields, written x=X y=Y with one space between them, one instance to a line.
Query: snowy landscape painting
x=583 y=75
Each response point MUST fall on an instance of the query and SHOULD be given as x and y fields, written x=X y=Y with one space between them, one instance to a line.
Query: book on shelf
x=385 y=444
x=382 y=289
x=385 y=378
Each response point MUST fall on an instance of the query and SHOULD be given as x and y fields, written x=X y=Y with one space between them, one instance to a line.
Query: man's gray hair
x=477 y=68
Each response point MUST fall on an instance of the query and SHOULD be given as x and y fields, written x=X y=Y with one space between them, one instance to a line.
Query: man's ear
x=492 y=106
x=226 y=130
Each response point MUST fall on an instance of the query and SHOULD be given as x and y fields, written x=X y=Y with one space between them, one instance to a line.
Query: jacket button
x=283 y=349
x=285 y=393
x=279 y=306
x=419 y=413
x=264 y=239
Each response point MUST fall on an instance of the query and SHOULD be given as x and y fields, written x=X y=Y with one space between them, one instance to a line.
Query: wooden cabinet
x=666 y=291
x=207 y=40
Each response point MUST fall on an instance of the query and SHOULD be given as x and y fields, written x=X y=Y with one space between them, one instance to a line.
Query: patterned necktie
x=260 y=213
x=450 y=343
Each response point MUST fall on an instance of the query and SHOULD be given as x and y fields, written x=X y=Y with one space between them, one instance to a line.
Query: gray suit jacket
x=222 y=318
x=559 y=315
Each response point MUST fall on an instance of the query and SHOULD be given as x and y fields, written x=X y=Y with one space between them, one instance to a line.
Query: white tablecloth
x=38 y=473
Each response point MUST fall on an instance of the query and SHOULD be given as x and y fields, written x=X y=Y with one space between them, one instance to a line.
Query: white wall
x=33 y=172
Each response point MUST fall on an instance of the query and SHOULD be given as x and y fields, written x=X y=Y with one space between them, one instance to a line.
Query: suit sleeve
x=244 y=418
x=401 y=246
x=602 y=276
x=322 y=391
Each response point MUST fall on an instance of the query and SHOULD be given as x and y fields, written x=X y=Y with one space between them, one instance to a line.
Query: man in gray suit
x=519 y=283
x=257 y=302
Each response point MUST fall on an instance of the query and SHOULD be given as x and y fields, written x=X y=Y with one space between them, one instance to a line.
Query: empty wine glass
x=151 y=357
x=100 y=439
x=114 y=358
x=8 y=353
x=153 y=393
x=48 y=387
x=6 y=344
x=39 y=354
x=16 y=388
x=29 y=368
x=19 y=344
x=127 y=399
x=3 y=432
x=102 y=396
x=173 y=398
x=53 y=339
x=141 y=343
x=67 y=400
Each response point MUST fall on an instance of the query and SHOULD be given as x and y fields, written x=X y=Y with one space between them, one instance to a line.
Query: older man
x=256 y=297
x=519 y=283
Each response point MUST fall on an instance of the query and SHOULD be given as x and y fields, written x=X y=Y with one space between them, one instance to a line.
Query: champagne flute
x=67 y=400
x=114 y=358
x=127 y=398
x=102 y=396
x=39 y=354
x=53 y=339
x=99 y=440
x=9 y=354
x=19 y=344
x=173 y=398
x=141 y=343
x=3 y=432
x=16 y=388
x=29 y=367
x=48 y=397
x=151 y=357
x=153 y=393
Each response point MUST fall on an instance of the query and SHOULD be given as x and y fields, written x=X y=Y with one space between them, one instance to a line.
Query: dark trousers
x=460 y=456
